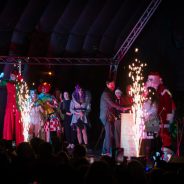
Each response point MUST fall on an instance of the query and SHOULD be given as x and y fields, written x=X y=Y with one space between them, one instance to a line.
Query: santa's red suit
x=165 y=114
x=165 y=106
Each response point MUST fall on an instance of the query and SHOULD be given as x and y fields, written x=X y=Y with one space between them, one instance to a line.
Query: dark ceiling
x=66 y=28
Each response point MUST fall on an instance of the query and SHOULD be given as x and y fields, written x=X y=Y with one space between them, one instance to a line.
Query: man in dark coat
x=107 y=115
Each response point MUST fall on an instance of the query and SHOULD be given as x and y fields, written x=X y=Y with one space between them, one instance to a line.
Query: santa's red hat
x=155 y=74
x=15 y=71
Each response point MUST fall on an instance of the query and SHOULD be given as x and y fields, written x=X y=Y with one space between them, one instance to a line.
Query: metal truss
x=13 y=60
x=136 y=30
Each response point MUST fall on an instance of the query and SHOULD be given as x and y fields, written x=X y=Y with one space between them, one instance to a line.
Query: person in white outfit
x=36 y=115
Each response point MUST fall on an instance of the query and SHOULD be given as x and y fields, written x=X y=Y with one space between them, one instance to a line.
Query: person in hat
x=52 y=126
x=117 y=122
x=125 y=101
x=127 y=98
x=13 y=127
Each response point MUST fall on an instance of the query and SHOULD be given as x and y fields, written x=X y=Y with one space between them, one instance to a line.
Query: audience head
x=79 y=151
x=25 y=151
x=45 y=150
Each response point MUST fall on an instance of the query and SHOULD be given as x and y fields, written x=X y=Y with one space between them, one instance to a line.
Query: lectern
x=127 y=138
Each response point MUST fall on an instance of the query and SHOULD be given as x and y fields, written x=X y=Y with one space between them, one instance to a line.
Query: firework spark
x=23 y=101
x=24 y=108
x=136 y=75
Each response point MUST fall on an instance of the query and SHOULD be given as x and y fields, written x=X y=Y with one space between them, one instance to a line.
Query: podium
x=127 y=137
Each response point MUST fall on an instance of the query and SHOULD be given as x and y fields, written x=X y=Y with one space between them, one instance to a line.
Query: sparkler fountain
x=137 y=90
x=23 y=101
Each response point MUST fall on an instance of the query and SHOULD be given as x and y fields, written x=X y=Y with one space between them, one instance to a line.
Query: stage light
x=50 y=73
x=136 y=50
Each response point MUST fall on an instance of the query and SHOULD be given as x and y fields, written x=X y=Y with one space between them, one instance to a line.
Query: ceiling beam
x=56 y=61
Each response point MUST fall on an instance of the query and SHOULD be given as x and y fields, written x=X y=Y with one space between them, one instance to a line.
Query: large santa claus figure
x=165 y=107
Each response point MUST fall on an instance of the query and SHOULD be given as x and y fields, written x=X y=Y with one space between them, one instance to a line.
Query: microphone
x=163 y=109
x=161 y=113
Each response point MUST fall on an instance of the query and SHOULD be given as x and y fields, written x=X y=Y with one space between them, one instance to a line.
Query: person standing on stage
x=150 y=140
x=69 y=131
x=52 y=126
x=150 y=111
x=80 y=107
x=165 y=106
x=127 y=99
x=107 y=115
x=117 y=122
x=36 y=116
x=13 y=126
